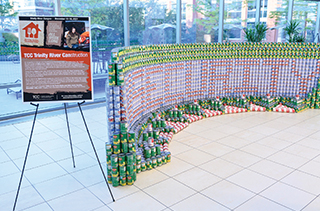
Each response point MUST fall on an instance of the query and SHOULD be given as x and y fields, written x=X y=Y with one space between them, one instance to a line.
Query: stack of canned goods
x=201 y=80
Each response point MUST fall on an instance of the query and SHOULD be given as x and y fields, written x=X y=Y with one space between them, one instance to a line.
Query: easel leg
x=94 y=149
x=25 y=159
x=65 y=109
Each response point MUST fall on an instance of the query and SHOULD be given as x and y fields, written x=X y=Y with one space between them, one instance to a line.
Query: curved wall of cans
x=154 y=82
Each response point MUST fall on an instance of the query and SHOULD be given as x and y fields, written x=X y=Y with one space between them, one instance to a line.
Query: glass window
x=200 y=22
x=277 y=12
x=152 y=22
x=306 y=13
x=233 y=24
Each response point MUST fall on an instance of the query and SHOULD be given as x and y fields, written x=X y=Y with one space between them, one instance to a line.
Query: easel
x=31 y=133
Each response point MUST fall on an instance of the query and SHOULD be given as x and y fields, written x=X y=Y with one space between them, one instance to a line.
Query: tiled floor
x=251 y=161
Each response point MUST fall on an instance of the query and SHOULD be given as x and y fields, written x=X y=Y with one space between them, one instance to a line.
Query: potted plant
x=293 y=32
x=256 y=34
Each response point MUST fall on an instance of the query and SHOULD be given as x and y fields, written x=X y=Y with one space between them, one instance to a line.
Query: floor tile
x=176 y=166
x=287 y=196
x=3 y=157
x=259 y=150
x=8 y=168
x=202 y=203
x=241 y=158
x=271 y=169
x=20 y=153
x=228 y=129
x=287 y=159
x=250 y=180
x=303 y=181
x=103 y=208
x=101 y=191
x=58 y=187
x=14 y=143
x=249 y=135
x=44 y=173
x=64 y=153
x=195 y=157
x=169 y=191
x=312 y=167
x=194 y=141
x=42 y=207
x=82 y=161
x=149 y=178
x=261 y=204
x=212 y=135
x=34 y=161
x=273 y=142
x=228 y=194
x=176 y=147
x=310 y=142
x=197 y=179
x=302 y=131
x=79 y=200
x=313 y=206
x=287 y=136
x=53 y=144
x=130 y=203
x=216 y=149
x=28 y=197
x=220 y=168
x=89 y=176
x=302 y=151
x=234 y=142
x=10 y=183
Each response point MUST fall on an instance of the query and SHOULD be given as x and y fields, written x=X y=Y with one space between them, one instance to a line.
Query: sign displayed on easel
x=55 y=59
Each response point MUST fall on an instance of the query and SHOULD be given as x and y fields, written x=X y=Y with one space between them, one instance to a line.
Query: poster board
x=55 y=59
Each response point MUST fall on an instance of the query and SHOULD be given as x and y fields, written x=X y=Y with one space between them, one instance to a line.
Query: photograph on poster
x=56 y=59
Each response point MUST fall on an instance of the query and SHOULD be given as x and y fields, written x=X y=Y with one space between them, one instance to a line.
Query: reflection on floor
x=249 y=161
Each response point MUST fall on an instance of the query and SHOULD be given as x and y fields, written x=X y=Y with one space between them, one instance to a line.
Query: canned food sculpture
x=155 y=91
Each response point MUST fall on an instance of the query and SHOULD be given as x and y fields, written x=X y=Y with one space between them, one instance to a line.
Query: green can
x=145 y=136
x=129 y=180
x=159 y=160
x=163 y=123
x=116 y=148
x=109 y=178
x=131 y=137
x=124 y=147
x=154 y=124
x=120 y=79
x=138 y=168
x=143 y=166
x=108 y=149
x=134 y=158
x=129 y=159
x=116 y=139
x=138 y=157
x=134 y=176
x=154 y=162
x=122 y=170
x=122 y=159
x=147 y=152
x=164 y=156
x=130 y=170
x=112 y=69
x=158 y=149
x=149 y=164
x=114 y=172
x=114 y=160
x=132 y=147
x=124 y=137
x=112 y=79
x=108 y=157
x=153 y=151
x=115 y=181
x=123 y=180
x=168 y=157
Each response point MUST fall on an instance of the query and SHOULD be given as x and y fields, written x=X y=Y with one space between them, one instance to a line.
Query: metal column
x=178 y=27
x=317 y=24
x=221 y=15
x=258 y=11
x=126 y=22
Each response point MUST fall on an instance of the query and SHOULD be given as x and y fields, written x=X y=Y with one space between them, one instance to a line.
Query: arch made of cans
x=225 y=77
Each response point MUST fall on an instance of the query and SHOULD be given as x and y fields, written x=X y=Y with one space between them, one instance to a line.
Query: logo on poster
x=31 y=33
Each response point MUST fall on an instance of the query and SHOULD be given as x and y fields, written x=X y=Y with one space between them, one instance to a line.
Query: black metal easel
x=31 y=133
